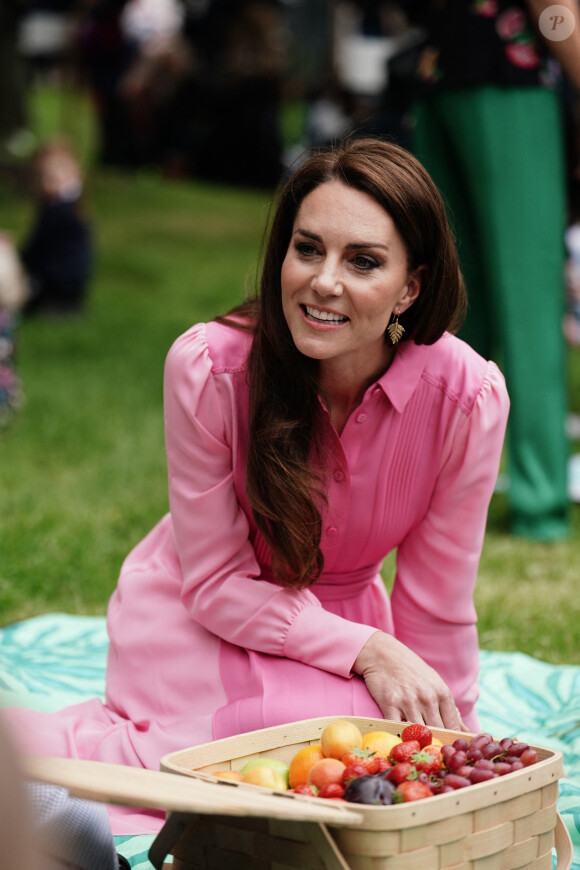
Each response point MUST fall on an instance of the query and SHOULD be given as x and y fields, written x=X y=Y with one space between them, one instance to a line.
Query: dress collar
x=401 y=378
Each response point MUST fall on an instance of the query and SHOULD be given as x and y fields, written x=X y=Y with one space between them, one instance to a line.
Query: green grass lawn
x=82 y=467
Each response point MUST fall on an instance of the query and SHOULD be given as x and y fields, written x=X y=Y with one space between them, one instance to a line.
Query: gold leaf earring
x=395 y=330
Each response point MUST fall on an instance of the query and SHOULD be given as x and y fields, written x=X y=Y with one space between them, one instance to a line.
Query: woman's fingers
x=450 y=715
x=404 y=686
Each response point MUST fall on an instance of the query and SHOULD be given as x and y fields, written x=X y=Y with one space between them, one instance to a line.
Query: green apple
x=274 y=763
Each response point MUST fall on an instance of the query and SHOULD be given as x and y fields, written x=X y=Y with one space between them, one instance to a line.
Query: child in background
x=13 y=295
x=572 y=317
x=58 y=254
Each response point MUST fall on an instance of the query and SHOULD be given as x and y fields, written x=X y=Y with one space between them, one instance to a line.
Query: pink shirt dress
x=203 y=643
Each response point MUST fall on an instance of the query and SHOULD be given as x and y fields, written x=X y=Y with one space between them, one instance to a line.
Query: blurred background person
x=488 y=127
x=572 y=317
x=157 y=89
x=104 y=54
x=241 y=52
x=13 y=295
x=58 y=252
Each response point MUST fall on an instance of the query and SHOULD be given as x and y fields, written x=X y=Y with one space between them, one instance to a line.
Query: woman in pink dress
x=311 y=432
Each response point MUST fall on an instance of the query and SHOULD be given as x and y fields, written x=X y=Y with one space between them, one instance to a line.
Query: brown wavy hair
x=285 y=465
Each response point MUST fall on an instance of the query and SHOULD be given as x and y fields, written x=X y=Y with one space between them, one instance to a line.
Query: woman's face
x=344 y=274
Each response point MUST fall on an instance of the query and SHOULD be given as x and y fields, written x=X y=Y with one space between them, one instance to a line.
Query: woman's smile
x=323 y=316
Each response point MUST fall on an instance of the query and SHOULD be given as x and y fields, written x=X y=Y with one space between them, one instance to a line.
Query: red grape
x=481 y=774
x=456 y=781
x=480 y=741
x=457 y=761
x=528 y=756
x=474 y=754
x=492 y=750
x=518 y=748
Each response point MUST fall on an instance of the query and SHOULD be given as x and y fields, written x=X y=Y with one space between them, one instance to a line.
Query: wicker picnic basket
x=507 y=823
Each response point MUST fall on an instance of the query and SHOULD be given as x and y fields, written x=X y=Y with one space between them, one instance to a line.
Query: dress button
x=331 y=531
x=338 y=475
x=361 y=418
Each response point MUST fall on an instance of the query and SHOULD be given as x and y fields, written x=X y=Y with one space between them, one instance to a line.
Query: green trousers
x=497 y=156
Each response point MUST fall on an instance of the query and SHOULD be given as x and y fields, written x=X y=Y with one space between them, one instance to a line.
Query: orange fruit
x=325 y=772
x=228 y=774
x=301 y=763
x=380 y=742
x=340 y=737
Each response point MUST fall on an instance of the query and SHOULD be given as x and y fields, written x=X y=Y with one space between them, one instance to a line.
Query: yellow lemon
x=380 y=742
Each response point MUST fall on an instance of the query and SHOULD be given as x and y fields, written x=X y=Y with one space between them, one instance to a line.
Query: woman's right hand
x=404 y=686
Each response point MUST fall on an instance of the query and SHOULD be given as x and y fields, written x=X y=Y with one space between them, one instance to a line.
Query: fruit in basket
x=339 y=737
x=421 y=733
x=228 y=774
x=427 y=760
x=370 y=790
x=480 y=760
x=265 y=776
x=274 y=763
x=332 y=791
x=404 y=751
x=354 y=771
x=380 y=742
x=400 y=772
x=325 y=771
x=410 y=769
x=371 y=762
x=309 y=790
x=529 y=756
x=411 y=790
x=301 y=763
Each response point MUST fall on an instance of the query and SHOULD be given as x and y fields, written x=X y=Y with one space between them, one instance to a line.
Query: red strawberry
x=362 y=757
x=331 y=790
x=379 y=764
x=353 y=771
x=411 y=790
x=309 y=790
x=400 y=772
x=404 y=751
x=426 y=762
x=418 y=732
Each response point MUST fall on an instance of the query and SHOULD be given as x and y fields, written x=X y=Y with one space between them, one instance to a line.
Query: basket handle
x=564 y=849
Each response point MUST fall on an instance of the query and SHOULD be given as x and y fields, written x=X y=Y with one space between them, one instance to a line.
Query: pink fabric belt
x=341 y=586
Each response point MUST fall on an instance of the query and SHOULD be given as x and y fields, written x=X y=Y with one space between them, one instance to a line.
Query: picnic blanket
x=57 y=659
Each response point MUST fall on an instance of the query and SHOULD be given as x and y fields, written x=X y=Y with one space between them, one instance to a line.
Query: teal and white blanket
x=54 y=660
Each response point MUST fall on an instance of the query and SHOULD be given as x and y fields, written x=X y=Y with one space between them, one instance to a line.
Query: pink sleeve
x=221 y=586
x=437 y=564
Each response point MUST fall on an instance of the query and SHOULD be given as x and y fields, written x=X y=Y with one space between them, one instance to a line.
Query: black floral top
x=471 y=42
x=11 y=396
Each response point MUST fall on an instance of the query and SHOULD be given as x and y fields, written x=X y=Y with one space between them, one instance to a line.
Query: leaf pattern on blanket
x=54 y=653
x=540 y=703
